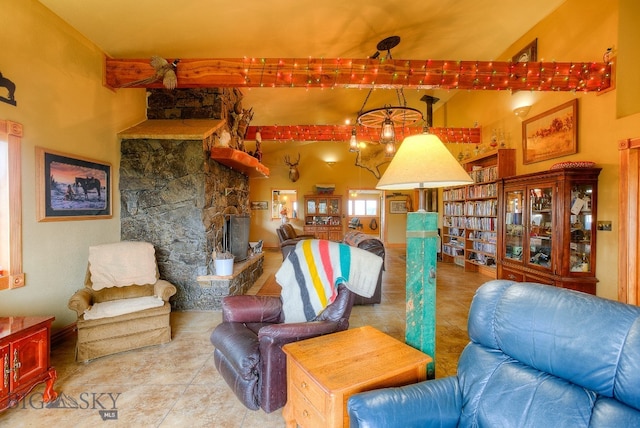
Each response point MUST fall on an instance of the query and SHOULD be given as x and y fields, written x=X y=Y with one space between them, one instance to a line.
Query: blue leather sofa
x=539 y=356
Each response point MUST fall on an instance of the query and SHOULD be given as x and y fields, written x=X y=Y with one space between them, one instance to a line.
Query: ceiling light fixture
x=353 y=141
x=389 y=117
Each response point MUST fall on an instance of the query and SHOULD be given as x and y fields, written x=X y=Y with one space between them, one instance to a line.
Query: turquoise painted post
x=422 y=248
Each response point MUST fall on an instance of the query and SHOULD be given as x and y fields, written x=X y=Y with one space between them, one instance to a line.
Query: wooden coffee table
x=323 y=372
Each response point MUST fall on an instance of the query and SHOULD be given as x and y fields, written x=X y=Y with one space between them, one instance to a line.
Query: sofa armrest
x=433 y=403
x=305 y=236
x=80 y=301
x=245 y=308
x=288 y=246
x=164 y=289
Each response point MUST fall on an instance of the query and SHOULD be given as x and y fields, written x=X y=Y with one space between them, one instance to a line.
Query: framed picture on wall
x=551 y=134
x=259 y=205
x=398 y=207
x=527 y=54
x=70 y=187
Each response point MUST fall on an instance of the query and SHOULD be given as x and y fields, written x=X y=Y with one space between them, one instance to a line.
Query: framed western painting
x=551 y=134
x=398 y=207
x=70 y=187
x=259 y=205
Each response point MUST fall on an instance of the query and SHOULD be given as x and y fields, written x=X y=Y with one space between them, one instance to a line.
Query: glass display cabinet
x=323 y=216
x=548 y=228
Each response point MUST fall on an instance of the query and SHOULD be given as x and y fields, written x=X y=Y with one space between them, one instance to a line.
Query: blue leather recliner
x=539 y=356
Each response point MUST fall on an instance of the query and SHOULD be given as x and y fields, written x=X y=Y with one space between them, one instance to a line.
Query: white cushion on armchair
x=122 y=264
x=114 y=308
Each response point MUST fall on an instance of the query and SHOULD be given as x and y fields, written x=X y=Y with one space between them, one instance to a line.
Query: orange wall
x=63 y=107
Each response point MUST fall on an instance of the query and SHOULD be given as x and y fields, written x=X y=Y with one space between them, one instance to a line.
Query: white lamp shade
x=422 y=161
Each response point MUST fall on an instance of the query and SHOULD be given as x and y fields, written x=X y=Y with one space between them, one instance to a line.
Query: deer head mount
x=294 y=174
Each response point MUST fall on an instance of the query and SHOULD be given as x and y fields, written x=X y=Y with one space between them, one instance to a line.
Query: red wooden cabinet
x=24 y=358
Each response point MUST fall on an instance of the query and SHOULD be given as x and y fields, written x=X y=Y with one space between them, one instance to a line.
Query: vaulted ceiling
x=429 y=29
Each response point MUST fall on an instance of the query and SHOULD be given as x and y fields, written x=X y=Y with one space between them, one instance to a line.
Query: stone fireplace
x=174 y=195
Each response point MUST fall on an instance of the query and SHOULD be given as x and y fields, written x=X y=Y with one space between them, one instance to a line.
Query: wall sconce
x=521 y=102
x=521 y=112
x=331 y=163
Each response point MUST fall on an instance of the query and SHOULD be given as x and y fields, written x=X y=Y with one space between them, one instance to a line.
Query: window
x=11 y=275
x=365 y=207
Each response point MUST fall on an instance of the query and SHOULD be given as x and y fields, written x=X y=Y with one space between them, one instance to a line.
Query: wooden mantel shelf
x=240 y=161
x=172 y=129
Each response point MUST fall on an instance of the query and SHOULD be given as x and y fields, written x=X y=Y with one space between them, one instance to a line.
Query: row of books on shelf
x=456 y=208
x=454 y=231
x=454 y=194
x=481 y=235
x=454 y=222
x=483 y=247
x=477 y=223
x=477 y=191
x=482 y=175
x=483 y=191
x=455 y=243
x=452 y=251
x=481 y=223
x=481 y=208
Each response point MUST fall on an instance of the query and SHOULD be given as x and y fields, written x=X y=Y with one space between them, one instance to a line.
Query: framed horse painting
x=69 y=187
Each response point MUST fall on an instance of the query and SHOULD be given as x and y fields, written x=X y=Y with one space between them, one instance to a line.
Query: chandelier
x=388 y=117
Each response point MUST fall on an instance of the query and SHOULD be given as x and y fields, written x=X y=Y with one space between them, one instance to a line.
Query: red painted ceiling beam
x=367 y=73
x=363 y=134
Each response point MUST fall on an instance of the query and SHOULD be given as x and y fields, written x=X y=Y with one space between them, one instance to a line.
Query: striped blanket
x=310 y=276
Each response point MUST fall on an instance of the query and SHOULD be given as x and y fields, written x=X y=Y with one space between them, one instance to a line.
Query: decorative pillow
x=573 y=164
x=122 y=264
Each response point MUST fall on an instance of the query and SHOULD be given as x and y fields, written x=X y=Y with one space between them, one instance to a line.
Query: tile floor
x=176 y=385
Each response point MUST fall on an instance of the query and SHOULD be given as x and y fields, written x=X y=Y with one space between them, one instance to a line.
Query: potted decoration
x=223 y=262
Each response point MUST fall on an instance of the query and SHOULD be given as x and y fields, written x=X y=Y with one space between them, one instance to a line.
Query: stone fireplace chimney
x=174 y=194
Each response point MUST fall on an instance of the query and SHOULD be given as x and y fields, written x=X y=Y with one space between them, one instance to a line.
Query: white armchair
x=124 y=304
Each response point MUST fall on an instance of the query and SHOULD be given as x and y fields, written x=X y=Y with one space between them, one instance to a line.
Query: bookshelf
x=470 y=227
